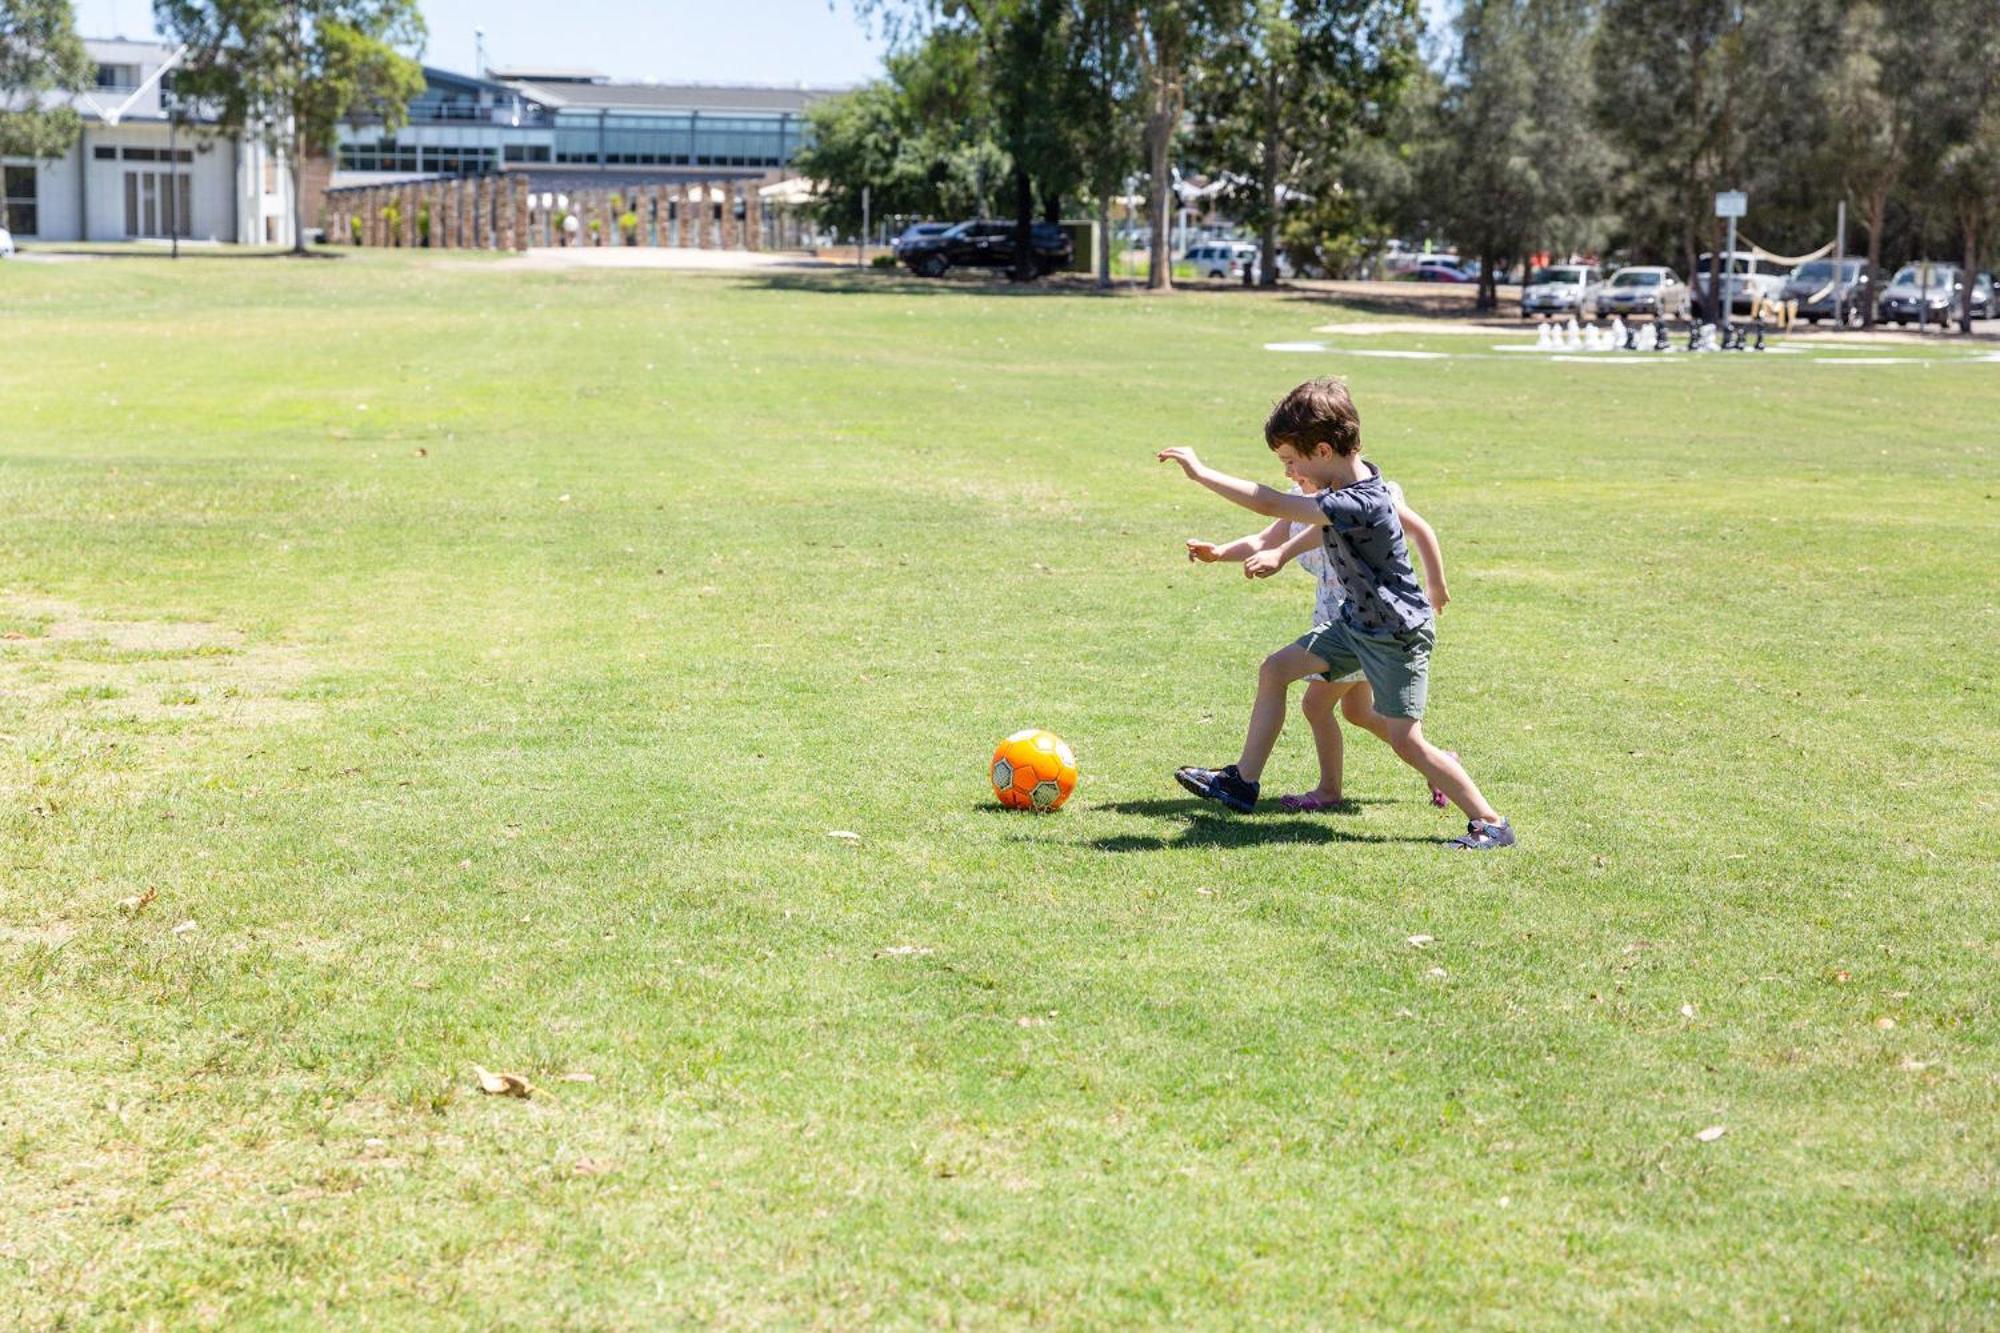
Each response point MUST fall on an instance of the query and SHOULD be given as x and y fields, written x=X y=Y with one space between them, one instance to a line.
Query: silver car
x=1642 y=290
x=1558 y=289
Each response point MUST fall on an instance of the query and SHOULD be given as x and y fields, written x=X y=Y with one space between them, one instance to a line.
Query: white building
x=147 y=167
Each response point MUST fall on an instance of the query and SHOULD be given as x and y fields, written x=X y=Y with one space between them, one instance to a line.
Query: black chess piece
x=1660 y=341
x=1694 y=335
x=1760 y=335
x=1631 y=337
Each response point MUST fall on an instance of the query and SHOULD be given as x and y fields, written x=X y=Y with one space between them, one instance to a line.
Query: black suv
x=985 y=245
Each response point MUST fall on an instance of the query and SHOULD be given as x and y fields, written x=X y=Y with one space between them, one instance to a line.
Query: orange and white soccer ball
x=1033 y=770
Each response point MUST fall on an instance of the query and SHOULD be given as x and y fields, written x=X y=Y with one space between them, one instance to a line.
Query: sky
x=669 y=41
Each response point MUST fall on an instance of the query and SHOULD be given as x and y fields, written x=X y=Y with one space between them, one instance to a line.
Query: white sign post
x=1731 y=204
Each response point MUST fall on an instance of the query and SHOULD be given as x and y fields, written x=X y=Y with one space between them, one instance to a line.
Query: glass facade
x=467 y=127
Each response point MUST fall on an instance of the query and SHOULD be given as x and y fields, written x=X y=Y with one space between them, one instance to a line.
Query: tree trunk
x=1273 y=127
x=1969 y=226
x=298 y=203
x=1103 y=240
x=1718 y=300
x=1160 y=204
x=1024 y=226
x=1489 y=291
x=1878 y=204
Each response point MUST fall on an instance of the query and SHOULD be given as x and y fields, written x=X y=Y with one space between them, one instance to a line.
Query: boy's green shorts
x=1398 y=666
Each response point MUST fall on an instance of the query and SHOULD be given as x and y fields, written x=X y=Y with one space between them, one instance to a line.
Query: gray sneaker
x=1481 y=836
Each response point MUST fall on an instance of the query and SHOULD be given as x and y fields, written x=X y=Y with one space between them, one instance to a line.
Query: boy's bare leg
x=1267 y=715
x=1406 y=737
x=1358 y=707
x=1318 y=705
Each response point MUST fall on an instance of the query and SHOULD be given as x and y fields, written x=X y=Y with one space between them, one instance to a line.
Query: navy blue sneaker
x=1223 y=784
x=1481 y=836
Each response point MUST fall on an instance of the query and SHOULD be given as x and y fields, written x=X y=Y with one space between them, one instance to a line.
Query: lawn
x=414 y=666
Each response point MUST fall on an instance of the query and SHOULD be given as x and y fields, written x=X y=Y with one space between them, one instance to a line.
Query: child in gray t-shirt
x=1385 y=623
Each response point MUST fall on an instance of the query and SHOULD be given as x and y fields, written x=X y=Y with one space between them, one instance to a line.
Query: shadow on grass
x=1203 y=828
x=881 y=282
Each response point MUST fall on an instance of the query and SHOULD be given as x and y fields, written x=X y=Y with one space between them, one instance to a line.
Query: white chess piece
x=1617 y=333
x=1571 y=337
x=1545 y=334
x=1593 y=341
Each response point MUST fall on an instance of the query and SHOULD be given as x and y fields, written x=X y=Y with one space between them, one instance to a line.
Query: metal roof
x=671 y=96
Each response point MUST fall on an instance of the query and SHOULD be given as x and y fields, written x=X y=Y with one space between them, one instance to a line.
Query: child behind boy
x=1263 y=554
x=1384 y=628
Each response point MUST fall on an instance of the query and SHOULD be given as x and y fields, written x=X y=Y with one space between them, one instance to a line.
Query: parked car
x=1642 y=290
x=916 y=231
x=1748 y=281
x=1816 y=287
x=1558 y=289
x=1221 y=261
x=1432 y=270
x=6 y=243
x=985 y=244
x=1922 y=292
x=1982 y=296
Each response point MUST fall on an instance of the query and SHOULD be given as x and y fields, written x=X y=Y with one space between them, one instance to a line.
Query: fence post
x=753 y=216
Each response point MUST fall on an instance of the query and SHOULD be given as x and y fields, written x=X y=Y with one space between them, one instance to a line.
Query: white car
x=1750 y=281
x=1558 y=289
x=6 y=243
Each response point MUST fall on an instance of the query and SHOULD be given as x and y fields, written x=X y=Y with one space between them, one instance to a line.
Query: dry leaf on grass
x=589 y=1166
x=186 y=928
x=1437 y=972
x=1910 y=1066
x=1420 y=941
x=503 y=1085
x=844 y=835
x=575 y=1076
x=1711 y=1134
x=902 y=951
x=1884 y=1023
x=1687 y=1011
x=138 y=902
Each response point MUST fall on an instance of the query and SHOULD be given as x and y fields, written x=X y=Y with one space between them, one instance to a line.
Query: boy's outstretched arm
x=1242 y=548
x=1424 y=538
x=1266 y=563
x=1257 y=499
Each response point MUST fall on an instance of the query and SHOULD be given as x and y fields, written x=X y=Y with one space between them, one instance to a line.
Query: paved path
x=543 y=259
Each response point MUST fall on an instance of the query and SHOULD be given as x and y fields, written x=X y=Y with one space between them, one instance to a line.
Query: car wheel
x=932 y=266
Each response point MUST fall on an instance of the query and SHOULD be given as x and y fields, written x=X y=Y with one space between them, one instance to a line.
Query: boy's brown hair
x=1317 y=412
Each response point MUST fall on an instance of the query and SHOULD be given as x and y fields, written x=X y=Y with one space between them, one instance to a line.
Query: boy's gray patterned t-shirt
x=1364 y=545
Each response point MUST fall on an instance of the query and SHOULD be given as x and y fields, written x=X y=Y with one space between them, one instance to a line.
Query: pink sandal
x=1309 y=802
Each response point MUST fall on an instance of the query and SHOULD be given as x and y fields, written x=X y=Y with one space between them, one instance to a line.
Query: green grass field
x=480 y=660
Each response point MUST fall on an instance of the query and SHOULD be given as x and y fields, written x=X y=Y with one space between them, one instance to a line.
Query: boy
x=1385 y=625
x=1263 y=554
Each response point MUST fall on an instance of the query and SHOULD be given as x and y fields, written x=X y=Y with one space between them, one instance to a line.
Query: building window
x=118 y=76
x=104 y=153
x=21 y=212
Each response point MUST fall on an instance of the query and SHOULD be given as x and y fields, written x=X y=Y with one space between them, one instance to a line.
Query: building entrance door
x=157 y=203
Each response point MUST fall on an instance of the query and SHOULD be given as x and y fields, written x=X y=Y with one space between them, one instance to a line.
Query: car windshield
x=1910 y=275
x=1557 y=275
x=1636 y=278
x=1819 y=270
